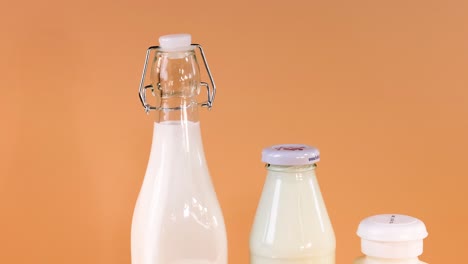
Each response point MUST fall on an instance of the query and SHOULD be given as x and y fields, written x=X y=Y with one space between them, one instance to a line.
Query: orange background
x=380 y=87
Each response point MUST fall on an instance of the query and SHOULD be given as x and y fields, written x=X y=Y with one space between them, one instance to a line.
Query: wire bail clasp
x=211 y=91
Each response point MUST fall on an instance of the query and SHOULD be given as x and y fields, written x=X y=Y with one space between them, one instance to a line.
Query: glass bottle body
x=177 y=217
x=292 y=224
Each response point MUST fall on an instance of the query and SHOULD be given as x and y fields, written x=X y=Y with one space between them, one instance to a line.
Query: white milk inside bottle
x=291 y=223
x=391 y=239
x=177 y=218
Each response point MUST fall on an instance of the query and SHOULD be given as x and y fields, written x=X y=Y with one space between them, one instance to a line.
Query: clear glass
x=291 y=223
x=177 y=217
x=176 y=79
x=373 y=260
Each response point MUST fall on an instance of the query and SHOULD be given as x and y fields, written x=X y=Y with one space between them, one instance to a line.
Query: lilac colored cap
x=290 y=154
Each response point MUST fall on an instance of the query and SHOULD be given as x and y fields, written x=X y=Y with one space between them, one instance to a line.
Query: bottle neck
x=177 y=78
x=186 y=112
x=291 y=169
x=292 y=173
x=400 y=251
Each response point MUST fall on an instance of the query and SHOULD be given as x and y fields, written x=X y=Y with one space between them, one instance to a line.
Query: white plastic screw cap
x=392 y=236
x=392 y=228
x=176 y=42
x=290 y=155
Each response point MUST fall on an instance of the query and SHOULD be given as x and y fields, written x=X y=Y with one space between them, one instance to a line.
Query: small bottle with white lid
x=291 y=223
x=391 y=239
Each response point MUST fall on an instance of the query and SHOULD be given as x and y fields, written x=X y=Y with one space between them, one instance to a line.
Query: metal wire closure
x=142 y=90
x=211 y=92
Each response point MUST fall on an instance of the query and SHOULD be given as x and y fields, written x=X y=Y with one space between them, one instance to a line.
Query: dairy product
x=292 y=224
x=325 y=259
x=177 y=218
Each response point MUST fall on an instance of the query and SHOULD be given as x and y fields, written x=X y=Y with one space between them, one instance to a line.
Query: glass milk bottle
x=391 y=239
x=291 y=223
x=177 y=218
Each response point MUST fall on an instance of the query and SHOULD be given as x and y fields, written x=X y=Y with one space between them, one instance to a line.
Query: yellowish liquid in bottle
x=292 y=224
x=326 y=259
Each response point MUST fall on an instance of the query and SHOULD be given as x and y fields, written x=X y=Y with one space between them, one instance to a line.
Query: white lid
x=392 y=236
x=392 y=228
x=290 y=154
x=175 y=42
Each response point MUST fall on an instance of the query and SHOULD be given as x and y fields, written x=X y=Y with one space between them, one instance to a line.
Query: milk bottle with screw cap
x=291 y=223
x=391 y=239
x=177 y=218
